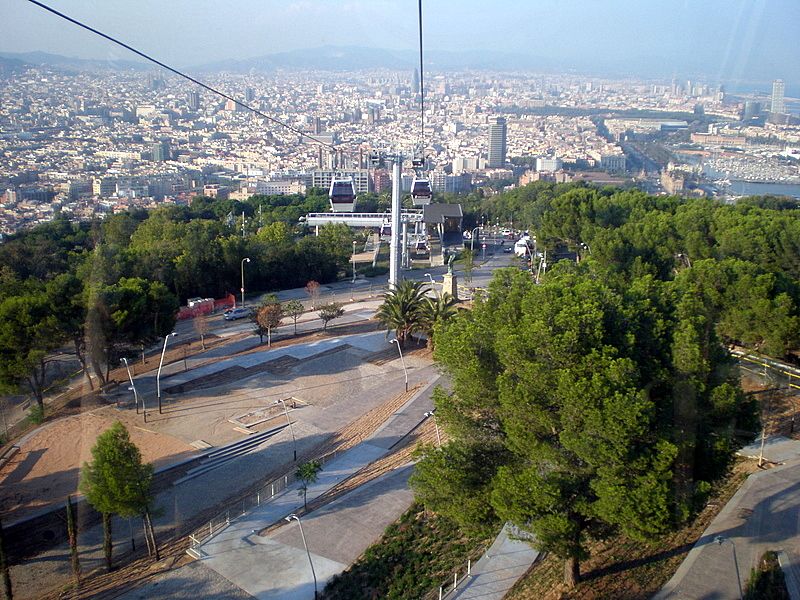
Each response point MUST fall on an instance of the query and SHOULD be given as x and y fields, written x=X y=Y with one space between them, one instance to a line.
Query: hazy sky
x=750 y=39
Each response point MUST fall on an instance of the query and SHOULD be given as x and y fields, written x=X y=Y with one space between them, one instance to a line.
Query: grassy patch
x=625 y=569
x=415 y=555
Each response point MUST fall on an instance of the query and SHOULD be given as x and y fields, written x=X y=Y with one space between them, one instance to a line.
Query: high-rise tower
x=777 y=106
x=497 y=143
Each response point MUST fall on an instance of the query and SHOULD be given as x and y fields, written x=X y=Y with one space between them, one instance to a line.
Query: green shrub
x=371 y=271
x=416 y=554
x=36 y=414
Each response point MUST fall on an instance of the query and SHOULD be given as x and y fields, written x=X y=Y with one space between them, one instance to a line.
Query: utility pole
x=378 y=159
x=395 y=251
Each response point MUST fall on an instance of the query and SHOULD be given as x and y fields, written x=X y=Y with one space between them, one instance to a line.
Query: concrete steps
x=217 y=458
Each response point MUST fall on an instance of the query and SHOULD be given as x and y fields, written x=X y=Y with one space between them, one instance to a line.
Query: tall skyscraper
x=193 y=100
x=160 y=151
x=497 y=143
x=415 y=82
x=249 y=94
x=777 y=107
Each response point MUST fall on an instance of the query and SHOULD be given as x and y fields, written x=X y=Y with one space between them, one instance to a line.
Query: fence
x=343 y=295
x=448 y=589
x=241 y=507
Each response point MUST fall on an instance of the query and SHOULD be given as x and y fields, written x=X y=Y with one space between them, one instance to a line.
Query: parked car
x=238 y=313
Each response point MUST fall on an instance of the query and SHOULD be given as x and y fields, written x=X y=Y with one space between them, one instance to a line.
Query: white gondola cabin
x=342 y=195
x=421 y=193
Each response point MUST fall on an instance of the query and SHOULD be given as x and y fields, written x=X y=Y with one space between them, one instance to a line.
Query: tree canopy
x=579 y=408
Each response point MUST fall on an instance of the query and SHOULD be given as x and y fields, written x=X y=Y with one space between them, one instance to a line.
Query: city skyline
x=724 y=41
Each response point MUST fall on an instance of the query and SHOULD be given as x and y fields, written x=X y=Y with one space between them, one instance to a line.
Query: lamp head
x=290 y=517
x=246 y=260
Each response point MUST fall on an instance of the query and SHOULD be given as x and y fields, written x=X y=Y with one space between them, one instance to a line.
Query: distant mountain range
x=68 y=62
x=11 y=65
x=353 y=58
x=325 y=58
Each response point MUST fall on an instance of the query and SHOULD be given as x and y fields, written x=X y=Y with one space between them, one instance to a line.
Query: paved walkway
x=276 y=568
x=498 y=570
x=763 y=515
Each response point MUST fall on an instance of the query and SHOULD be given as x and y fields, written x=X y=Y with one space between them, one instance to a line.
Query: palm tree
x=307 y=474
x=436 y=310
x=402 y=309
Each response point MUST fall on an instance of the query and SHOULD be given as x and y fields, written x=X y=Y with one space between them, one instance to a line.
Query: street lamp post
x=720 y=539
x=161 y=364
x=472 y=238
x=354 y=261
x=244 y=260
x=433 y=283
x=432 y=414
x=133 y=385
x=291 y=427
x=305 y=545
x=764 y=420
x=402 y=360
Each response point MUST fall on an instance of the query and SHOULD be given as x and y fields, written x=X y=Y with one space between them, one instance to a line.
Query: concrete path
x=352 y=388
x=777 y=449
x=763 y=515
x=276 y=568
x=498 y=570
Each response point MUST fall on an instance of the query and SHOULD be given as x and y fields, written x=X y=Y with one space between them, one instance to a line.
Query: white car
x=238 y=313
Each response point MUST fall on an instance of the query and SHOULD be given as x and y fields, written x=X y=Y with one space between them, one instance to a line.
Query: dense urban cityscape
x=364 y=299
x=92 y=143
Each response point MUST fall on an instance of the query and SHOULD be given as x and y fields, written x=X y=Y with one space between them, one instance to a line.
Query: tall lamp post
x=305 y=545
x=354 y=261
x=432 y=414
x=161 y=364
x=472 y=238
x=402 y=360
x=291 y=427
x=720 y=539
x=133 y=385
x=244 y=260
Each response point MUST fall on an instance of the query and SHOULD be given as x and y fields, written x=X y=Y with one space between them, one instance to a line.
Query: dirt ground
x=47 y=468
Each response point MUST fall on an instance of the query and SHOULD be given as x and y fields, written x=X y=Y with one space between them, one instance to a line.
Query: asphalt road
x=361 y=290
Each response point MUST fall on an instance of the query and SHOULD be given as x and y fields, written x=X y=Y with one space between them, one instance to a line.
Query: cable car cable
x=421 y=85
x=184 y=75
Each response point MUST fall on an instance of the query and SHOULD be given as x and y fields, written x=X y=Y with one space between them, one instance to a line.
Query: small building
x=446 y=220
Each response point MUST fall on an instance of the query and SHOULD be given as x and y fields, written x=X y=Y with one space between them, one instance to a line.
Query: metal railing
x=447 y=589
x=239 y=508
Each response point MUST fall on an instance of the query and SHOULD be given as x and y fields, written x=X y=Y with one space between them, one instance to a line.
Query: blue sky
x=750 y=39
